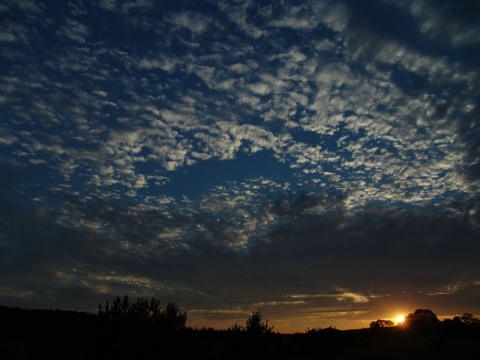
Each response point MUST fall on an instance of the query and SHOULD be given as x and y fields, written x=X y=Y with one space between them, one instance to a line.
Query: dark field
x=54 y=334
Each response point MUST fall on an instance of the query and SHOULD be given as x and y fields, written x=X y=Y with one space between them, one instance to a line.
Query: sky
x=318 y=161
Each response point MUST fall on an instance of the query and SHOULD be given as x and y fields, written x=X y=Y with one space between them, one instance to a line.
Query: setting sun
x=400 y=319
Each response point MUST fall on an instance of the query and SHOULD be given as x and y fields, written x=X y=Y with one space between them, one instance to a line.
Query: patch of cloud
x=333 y=15
x=239 y=68
x=238 y=14
x=295 y=23
x=7 y=291
x=434 y=18
x=345 y=295
x=77 y=9
x=7 y=37
x=339 y=294
x=28 y=6
x=310 y=16
x=4 y=8
x=6 y=138
x=74 y=30
x=260 y=88
x=13 y=32
x=448 y=289
x=125 y=7
x=194 y=22
x=166 y=64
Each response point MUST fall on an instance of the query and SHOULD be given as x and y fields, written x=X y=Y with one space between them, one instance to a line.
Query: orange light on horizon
x=400 y=319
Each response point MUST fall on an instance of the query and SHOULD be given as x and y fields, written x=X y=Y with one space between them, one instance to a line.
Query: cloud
x=194 y=22
x=434 y=18
x=7 y=291
x=297 y=238
x=7 y=37
x=239 y=68
x=125 y=7
x=28 y=6
x=238 y=15
x=12 y=32
x=165 y=64
x=355 y=107
x=260 y=88
x=74 y=30
x=339 y=294
x=426 y=69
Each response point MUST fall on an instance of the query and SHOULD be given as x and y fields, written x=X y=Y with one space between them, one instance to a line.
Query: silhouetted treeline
x=427 y=320
x=58 y=334
x=143 y=315
x=18 y=322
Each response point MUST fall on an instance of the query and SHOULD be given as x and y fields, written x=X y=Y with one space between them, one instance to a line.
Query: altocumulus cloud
x=318 y=160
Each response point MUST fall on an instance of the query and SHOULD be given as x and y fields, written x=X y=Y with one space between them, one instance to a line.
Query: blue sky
x=315 y=160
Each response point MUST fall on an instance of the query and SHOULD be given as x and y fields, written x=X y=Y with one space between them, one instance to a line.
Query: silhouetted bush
x=314 y=330
x=254 y=325
x=143 y=311
x=236 y=328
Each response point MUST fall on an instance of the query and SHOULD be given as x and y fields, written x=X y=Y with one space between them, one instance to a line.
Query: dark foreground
x=50 y=334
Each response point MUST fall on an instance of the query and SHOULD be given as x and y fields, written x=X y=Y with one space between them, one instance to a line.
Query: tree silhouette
x=255 y=325
x=172 y=318
x=236 y=328
x=380 y=323
x=143 y=310
x=421 y=319
x=466 y=319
